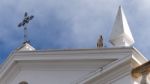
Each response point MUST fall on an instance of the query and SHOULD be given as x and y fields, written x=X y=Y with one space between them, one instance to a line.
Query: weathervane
x=23 y=24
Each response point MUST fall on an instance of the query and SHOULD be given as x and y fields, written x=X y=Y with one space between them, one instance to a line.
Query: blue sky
x=63 y=24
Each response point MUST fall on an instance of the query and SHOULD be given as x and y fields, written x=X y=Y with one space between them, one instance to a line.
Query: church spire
x=121 y=35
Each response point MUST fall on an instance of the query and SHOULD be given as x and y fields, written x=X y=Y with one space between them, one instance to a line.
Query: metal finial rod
x=24 y=25
x=25 y=35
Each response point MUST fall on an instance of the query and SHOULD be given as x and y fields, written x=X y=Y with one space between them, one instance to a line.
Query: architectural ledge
x=106 y=58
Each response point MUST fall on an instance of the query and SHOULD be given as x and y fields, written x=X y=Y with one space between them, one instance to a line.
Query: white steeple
x=26 y=47
x=121 y=35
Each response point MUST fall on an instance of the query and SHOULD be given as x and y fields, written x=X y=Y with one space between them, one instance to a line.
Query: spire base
x=26 y=47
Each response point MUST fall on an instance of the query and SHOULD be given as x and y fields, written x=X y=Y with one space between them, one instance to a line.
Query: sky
x=67 y=24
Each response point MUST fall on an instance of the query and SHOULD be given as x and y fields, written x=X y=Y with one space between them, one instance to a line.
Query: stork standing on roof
x=100 y=42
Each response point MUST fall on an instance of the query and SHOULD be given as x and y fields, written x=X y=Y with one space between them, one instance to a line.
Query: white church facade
x=120 y=64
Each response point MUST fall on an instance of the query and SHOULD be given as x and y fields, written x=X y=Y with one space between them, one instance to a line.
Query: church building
x=120 y=64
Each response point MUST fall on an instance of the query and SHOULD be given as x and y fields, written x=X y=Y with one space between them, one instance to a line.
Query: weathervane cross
x=23 y=24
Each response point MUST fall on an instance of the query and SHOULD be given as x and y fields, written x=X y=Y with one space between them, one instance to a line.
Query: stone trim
x=143 y=71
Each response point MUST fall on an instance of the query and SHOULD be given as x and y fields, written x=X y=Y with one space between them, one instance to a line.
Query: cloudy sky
x=60 y=24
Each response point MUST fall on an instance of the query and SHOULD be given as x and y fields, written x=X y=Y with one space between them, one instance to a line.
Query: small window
x=23 y=82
